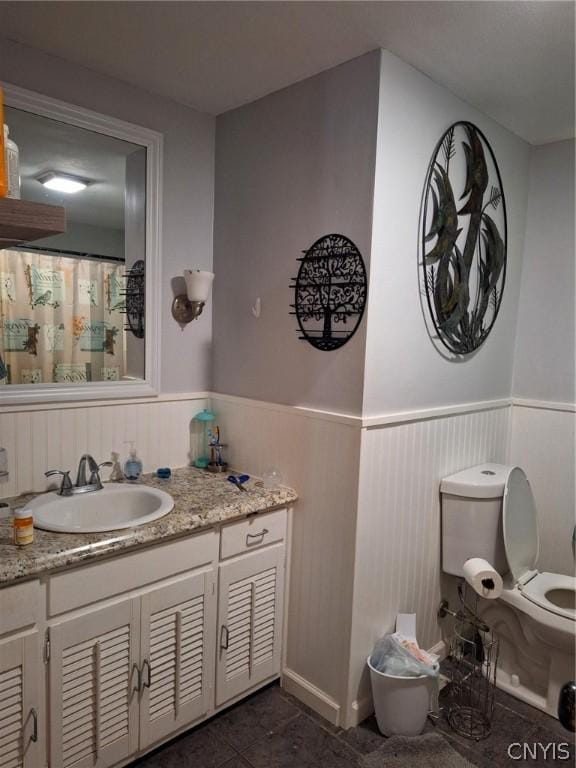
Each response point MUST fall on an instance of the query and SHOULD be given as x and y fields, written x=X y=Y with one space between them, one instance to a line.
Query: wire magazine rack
x=474 y=655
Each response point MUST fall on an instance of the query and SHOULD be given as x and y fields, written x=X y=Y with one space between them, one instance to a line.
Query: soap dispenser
x=132 y=465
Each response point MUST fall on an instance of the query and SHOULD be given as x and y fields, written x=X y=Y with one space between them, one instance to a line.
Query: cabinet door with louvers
x=250 y=612
x=20 y=697
x=94 y=687
x=177 y=646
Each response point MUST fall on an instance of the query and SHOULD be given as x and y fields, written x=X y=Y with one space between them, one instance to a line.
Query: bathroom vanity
x=112 y=643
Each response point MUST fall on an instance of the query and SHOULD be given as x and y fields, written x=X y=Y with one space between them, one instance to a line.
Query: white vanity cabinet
x=250 y=605
x=22 y=710
x=93 y=687
x=177 y=646
x=20 y=702
x=129 y=674
x=139 y=647
x=137 y=664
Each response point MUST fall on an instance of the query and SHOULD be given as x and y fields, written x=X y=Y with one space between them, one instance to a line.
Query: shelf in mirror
x=22 y=221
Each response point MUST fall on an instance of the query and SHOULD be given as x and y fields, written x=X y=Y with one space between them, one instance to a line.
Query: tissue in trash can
x=411 y=645
x=399 y=654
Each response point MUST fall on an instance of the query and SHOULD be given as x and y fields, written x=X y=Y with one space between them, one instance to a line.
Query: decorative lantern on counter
x=204 y=420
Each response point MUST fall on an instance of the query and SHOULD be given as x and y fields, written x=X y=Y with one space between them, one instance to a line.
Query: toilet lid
x=520 y=524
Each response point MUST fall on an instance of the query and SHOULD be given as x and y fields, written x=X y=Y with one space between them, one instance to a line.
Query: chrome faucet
x=94 y=483
x=81 y=481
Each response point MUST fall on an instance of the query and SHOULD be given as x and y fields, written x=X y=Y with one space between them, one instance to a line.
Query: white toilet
x=488 y=511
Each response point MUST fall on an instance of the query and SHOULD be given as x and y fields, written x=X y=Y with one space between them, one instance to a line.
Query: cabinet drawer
x=252 y=533
x=19 y=606
x=129 y=571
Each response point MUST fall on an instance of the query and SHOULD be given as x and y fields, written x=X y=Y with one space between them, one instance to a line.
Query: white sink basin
x=115 y=506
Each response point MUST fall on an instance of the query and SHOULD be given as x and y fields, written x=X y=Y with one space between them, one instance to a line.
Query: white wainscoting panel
x=543 y=444
x=397 y=567
x=319 y=457
x=38 y=438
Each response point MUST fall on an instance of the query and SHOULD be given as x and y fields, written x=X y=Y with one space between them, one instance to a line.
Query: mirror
x=72 y=305
x=79 y=311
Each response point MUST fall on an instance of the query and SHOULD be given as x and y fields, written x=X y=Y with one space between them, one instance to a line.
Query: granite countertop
x=201 y=501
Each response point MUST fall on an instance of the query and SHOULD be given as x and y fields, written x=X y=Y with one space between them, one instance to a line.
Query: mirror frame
x=149 y=386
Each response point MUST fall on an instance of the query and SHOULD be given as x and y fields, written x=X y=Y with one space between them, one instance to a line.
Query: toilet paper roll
x=482 y=577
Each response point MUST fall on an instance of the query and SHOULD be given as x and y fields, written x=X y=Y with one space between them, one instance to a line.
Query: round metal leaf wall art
x=330 y=292
x=463 y=239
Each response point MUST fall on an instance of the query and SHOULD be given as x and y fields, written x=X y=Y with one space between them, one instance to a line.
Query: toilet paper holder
x=473 y=651
x=445 y=610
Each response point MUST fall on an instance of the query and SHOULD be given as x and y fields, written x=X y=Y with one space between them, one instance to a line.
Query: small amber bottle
x=23 y=526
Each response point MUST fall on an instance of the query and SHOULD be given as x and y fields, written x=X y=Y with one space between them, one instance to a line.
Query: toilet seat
x=537 y=588
x=520 y=526
x=521 y=542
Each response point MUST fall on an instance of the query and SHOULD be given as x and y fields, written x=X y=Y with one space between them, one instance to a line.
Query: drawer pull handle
x=258 y=536
x=34 y=714
x=148 y=681
x=224 y=643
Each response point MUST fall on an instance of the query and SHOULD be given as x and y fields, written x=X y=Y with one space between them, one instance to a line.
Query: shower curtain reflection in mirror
x=61 y=319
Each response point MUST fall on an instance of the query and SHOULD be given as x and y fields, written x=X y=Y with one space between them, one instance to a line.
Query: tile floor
x=271 y=729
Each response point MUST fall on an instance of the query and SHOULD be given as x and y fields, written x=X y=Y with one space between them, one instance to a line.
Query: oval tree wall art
x=330 y=292
x=463 y=239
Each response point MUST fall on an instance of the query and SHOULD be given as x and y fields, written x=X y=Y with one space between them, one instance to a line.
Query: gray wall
x=544 y=365
x=103 y=241
x=187 y=214
x=290 y=168
x=404 y=369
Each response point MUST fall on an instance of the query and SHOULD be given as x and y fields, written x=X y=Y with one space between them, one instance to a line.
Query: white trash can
x=401 y=703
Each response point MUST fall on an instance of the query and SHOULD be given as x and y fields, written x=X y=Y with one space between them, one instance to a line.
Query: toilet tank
x=471 y=503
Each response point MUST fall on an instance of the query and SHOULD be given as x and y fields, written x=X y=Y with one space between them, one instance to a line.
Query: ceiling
x=512 y=60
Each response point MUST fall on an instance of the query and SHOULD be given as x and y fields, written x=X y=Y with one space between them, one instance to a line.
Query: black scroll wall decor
x=135 y=298
x=463 y=239
x=330 y=292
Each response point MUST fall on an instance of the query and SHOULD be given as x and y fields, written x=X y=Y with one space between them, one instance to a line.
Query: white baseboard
x=312 y=696
x=360 y=709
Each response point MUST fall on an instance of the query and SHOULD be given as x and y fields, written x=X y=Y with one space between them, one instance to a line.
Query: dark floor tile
x=508 y=728
x=254 y=718
x=199 y=748
x=442 y=726
x=471 y=754
x=534 y=715
x=365 y=737
x=310 y=712
x=550 y=750
x=301 y=743
x=275 y=730
x=464 y=747
x=236 y=762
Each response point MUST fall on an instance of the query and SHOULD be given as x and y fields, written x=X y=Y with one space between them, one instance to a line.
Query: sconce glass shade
x=198 y=284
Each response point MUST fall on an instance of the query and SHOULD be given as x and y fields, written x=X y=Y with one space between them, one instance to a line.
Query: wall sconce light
x=188 y=306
